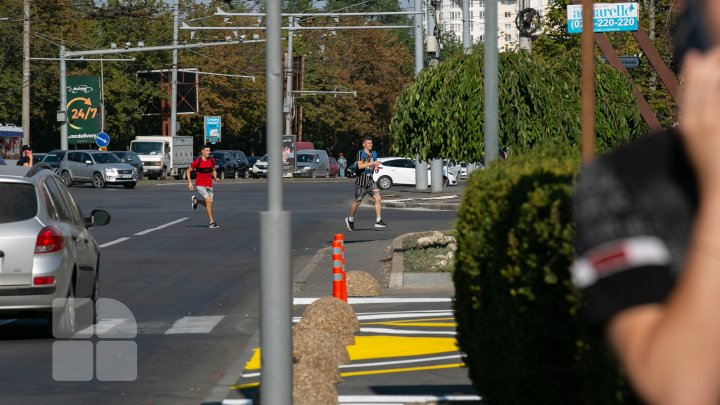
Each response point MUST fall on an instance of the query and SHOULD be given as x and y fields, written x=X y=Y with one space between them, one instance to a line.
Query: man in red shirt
x=204 y=167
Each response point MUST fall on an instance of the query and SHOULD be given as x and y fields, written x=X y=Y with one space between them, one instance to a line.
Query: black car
x=38 y=157
x=54 y=158
x=226 y=165
x=242 y=162
x=132 y=159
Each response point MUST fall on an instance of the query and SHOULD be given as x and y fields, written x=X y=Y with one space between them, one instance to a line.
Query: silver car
x=49 y=261
x=96 y=167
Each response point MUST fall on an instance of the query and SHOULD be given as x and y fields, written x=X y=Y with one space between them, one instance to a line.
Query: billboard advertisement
x=213 y=129
x=83 y=109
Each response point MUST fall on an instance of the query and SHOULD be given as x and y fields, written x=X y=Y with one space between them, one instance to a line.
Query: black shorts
x=361 y=192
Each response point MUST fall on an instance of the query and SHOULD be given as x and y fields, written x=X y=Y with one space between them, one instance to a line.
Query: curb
x=399 y=279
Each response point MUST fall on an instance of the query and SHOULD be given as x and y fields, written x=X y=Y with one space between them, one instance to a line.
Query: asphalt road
x=194 y=292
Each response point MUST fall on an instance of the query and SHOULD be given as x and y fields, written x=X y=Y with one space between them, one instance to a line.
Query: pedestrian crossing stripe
x=429 y=323
x=401 y=370
x=384 y=347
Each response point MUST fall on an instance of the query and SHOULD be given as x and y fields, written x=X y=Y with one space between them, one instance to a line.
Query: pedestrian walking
x=342 y=162
x=367 y=164
x=205 y=173
x=647 y=235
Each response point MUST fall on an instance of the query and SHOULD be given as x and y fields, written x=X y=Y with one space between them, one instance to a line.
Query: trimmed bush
x=516 y=307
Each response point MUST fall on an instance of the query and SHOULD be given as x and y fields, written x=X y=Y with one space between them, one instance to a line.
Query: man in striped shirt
x=367 y=164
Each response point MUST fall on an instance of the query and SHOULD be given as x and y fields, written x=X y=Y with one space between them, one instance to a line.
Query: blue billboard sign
x=607 y=17
x=213 y=129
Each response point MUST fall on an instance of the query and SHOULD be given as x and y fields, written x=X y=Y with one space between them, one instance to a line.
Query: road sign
x=630 y=62
x=102 y=139
x=213 y=129
x=607 y=17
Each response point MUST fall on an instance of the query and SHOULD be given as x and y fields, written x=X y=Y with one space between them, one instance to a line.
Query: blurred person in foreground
x=648 y=235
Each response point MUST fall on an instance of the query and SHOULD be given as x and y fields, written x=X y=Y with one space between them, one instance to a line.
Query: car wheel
x=237 y=174
x=384 y=182
x=247 y=174
x=63 y=323
x=129 y=185
x=221 y=175
x=98 y=181
x=163 y=174
x=66 y=178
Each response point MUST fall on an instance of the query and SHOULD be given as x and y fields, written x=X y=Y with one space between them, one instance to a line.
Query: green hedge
x=516 y=308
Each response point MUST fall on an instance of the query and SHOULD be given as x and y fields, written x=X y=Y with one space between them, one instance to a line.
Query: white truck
x=164 y=156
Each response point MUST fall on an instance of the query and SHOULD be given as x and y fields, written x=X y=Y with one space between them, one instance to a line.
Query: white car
x=401 y=171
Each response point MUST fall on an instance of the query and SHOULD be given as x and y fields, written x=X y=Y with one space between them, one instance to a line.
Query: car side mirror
x=98 y=218
x=88 y=162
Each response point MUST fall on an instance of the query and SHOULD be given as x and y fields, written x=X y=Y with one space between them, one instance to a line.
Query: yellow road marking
x=401 y=370
x=245 y=386
x=254 y=363
x=419 y=324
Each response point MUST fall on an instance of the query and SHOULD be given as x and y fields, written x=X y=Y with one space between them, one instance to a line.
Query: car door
x=389 y=168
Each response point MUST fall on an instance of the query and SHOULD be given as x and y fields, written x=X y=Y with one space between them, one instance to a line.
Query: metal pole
x=287 y=108
x=276 y=275
x=26 y=73
x=490 y=66
x=420 y=168
x=63 y=100
x=437 y=175
x=467 y=41
x=173 y=85
x=102 y=96
x=588 y=83
x=525 y=42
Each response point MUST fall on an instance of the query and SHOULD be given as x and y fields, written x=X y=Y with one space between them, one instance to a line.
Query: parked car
x=226 y=165
x=132 y=159
x=399 y=170
x=351 y=170
x=333 y=168
x=242 y=162
x=54 y=157
x=312 y=163
x=38 y=157
x=97 y=168
x=46 y=250
x=260 y=168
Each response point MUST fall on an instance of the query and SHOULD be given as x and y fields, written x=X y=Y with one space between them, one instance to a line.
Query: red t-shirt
x=203 y=171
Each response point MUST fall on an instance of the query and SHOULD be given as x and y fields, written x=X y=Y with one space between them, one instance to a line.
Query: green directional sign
x=83 y=109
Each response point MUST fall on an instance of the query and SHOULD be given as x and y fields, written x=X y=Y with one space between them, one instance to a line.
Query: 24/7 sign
x=607 y=17
x=83 y=109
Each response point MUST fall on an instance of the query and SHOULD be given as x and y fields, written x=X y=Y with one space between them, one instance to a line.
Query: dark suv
x=242 y=162
x=226 y=164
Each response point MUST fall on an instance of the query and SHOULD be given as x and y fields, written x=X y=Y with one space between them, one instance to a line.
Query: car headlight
x=111 y=171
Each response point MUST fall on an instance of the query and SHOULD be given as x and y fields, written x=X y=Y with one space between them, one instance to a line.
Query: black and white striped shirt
x=365 y=176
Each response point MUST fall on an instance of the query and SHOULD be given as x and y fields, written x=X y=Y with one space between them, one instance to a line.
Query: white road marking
x=428 y=311
x=308 y=301
x=116 y=241
x=145 y=232
x=388 y=363
x=194 y=324
x=237 y=402
x=103 y=326
x=371 y=317
x=403 y=399
x=406 y=332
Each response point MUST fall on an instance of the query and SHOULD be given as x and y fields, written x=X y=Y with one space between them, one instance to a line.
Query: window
x=18 y=202
x=58 y=202
x=472 y=26
x=508 y=14
x=74 y=156
x=85 y=157
x=70 y=202
x=508 y=26
x=508 y=37
x=482 y=14
x=394 y=163
x=471 y=14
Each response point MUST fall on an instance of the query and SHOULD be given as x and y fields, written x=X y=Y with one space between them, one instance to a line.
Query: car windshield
x=147 y=148
x=106 y=158
x=18 y=202
x=305 y=158
x=218 y=156
x=54 y=157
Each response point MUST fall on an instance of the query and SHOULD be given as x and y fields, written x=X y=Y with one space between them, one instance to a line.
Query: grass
x=424 y=260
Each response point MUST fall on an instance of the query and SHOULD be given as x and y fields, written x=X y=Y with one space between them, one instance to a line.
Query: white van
x=312 y=163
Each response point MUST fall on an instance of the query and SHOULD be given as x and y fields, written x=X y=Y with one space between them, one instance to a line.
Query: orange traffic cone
x=337 y=270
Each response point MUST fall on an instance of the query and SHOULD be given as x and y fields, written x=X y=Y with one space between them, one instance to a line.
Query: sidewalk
x=405 y=353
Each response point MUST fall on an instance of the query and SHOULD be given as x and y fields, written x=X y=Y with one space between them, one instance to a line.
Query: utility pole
x=287 y=105
x=173 y=85
x=421 y=182
x=275 y=251
x=490 y=79
x=62 y=113
x=435 y=163
x=26 y=73
x=467 y=41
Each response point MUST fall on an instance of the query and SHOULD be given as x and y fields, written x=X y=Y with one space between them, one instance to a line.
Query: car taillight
x=49 y=240
x=44 y=280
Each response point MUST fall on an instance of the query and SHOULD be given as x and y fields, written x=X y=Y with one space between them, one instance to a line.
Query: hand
x=217 y=179
x=699 y=106
x=190 y=186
